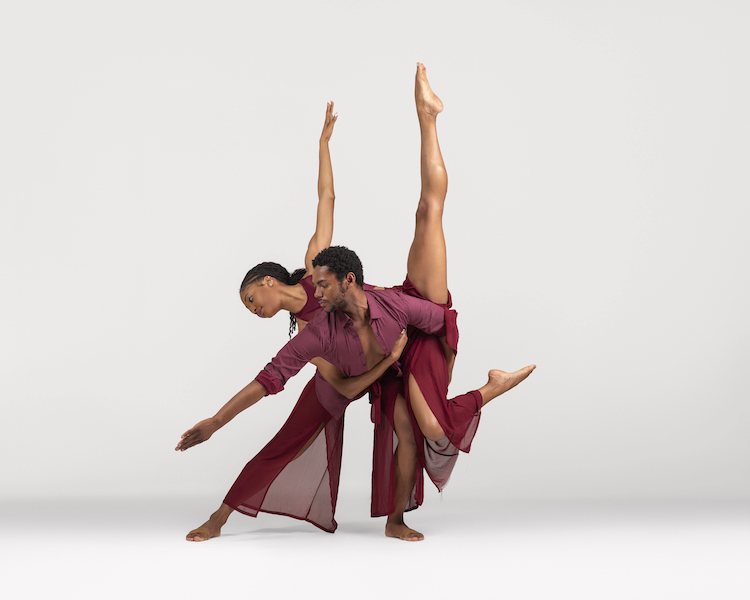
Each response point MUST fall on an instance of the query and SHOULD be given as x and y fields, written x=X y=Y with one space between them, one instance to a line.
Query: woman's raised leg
x=427 y=263
x=426 y=266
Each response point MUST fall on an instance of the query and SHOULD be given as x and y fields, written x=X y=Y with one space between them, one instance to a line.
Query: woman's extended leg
x=426 y=265
x=427 y=262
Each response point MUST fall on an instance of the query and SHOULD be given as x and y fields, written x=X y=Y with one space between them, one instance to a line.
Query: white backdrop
x=596 y=221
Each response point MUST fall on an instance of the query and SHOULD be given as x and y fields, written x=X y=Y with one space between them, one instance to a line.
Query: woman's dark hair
x=341 y=261
x=275 y=270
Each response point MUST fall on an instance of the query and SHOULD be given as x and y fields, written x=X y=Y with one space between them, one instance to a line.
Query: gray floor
x=118 y=548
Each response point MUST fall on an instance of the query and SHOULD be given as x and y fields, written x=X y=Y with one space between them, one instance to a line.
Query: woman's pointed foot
x=500 y=382
x=427 y=102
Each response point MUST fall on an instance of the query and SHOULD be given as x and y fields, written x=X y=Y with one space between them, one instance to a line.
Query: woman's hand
x=398 y=345
x=198 y=434
x=328 y=125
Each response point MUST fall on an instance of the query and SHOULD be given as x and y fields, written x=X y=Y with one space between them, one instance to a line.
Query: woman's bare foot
x=212 y=527
x=427 y=102
x=402 y=532
x=500 y=382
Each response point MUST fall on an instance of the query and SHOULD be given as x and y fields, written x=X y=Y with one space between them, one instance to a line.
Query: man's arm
x=353 y=386
x=433 y=319
x=300 y=350
x=287 y=363
x=243 y=399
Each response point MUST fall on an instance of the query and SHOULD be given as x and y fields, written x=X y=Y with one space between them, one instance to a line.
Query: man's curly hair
x=341 y=261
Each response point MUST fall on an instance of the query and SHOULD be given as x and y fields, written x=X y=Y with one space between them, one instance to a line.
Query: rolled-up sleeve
x=305 y=346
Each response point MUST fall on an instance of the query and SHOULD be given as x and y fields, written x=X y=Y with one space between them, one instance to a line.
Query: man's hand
x=199 y=433
x=328 y=126
x=399 y=345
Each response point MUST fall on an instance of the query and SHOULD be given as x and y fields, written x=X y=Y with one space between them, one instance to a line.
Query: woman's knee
x=430 y=207
x=431 y=430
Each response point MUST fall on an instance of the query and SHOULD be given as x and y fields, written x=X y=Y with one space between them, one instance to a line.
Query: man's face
x=329 y=291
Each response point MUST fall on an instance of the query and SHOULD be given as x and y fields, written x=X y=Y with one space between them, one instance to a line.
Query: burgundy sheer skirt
x=424 y=358
x=283 y=479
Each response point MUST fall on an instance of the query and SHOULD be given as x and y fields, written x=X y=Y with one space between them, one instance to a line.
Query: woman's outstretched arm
x=324 y=225
x=352 y=386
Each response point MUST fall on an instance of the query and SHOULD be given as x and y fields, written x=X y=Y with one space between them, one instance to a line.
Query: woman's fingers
x=330 y=117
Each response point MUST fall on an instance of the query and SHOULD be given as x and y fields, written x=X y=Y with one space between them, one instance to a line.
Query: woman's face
x=262 y=298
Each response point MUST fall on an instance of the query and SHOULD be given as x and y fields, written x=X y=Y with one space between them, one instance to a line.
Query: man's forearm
x=243 y=399
x=352 y=386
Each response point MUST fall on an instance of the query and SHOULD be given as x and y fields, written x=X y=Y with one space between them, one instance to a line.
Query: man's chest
x=356 y=349
x=371 y=347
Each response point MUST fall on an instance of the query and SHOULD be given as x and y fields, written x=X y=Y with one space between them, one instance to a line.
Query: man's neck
x=357 y=307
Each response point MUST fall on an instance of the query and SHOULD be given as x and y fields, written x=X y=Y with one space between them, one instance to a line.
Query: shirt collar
x=376 y=310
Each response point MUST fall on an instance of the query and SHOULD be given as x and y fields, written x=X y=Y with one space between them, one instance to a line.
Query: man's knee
x=405 y=433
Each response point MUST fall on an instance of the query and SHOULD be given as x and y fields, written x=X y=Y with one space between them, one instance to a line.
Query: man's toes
x=198 y=535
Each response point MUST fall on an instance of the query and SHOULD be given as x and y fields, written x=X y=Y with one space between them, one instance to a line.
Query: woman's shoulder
x=311 y=307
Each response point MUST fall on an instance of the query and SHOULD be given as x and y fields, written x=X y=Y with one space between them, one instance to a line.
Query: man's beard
x=339 y=302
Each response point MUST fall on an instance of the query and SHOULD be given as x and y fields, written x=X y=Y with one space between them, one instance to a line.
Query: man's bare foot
x=427 y=102
x=203 y=533
x=500 y=382
x=402 y=532
x=212 y=527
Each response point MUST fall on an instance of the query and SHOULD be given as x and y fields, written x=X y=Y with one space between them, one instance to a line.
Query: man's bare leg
x=212 y=527
x=406 y=467
x=219 y=518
